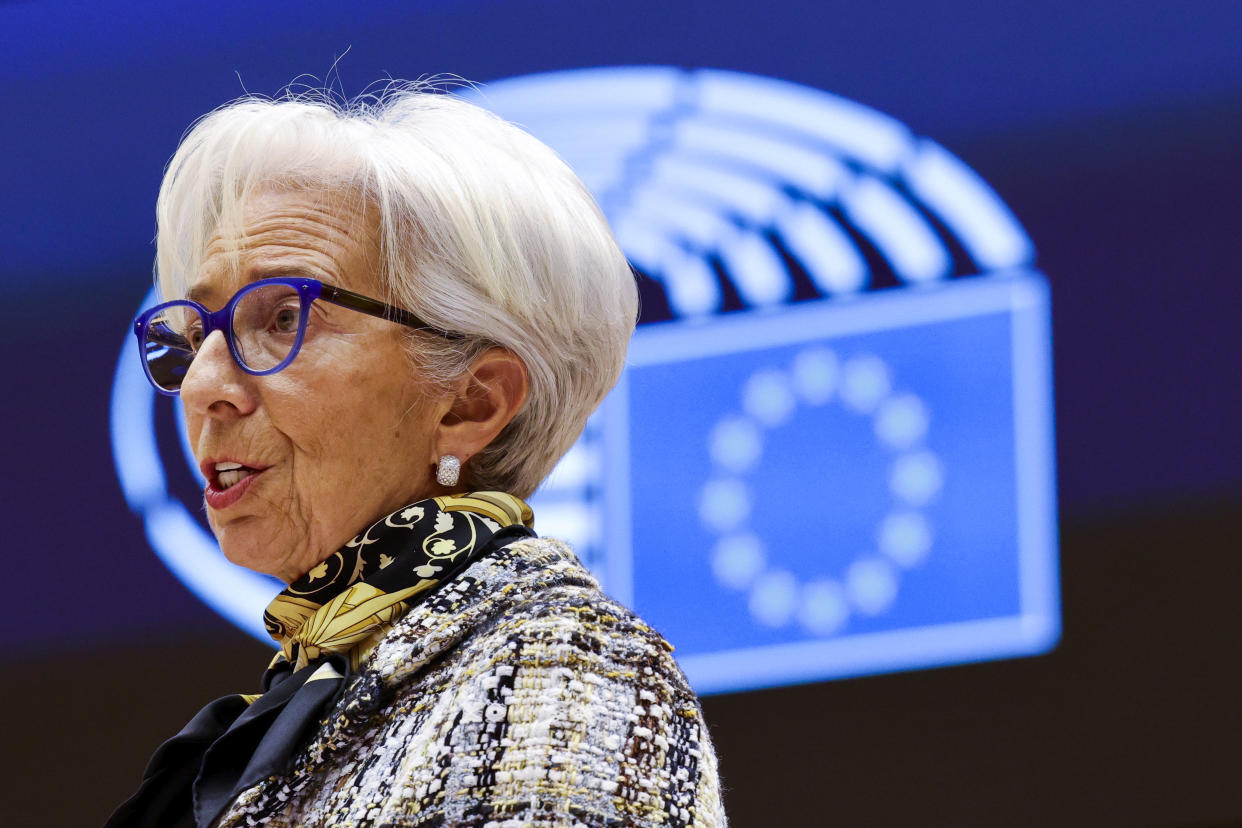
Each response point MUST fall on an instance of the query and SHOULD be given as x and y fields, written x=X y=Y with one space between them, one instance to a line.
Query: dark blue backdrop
x=1109 y=127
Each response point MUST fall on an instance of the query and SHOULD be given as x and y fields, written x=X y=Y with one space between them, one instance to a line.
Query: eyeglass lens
x=265 y=325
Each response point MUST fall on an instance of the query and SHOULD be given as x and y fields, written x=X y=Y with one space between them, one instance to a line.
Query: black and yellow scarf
x=325 y=622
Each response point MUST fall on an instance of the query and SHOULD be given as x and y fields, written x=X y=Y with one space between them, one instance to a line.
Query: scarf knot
x=350 y=599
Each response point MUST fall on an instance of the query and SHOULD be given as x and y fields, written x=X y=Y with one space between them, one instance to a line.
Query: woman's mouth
x=228 y=474
x=227 y=482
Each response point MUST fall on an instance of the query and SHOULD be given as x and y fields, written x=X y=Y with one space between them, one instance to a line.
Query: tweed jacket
x=517 y=695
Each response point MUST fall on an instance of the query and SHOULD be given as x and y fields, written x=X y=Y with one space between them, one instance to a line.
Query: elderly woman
x=388 y=321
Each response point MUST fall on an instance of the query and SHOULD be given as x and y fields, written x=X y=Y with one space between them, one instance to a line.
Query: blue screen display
x=833 y=490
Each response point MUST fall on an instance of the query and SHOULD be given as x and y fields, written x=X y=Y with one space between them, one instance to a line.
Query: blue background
x=1110 y=128
x=820 y=489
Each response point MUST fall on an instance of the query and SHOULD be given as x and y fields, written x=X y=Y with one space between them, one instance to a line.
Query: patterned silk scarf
x=325 y=622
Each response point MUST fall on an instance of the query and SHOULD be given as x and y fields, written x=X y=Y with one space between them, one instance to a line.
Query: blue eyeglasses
x=264 y=324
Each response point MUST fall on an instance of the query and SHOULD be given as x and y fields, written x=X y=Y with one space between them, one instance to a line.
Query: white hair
x=483 y=230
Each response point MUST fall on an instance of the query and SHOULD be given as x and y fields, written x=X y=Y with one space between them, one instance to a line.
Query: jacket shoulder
x=573 y=705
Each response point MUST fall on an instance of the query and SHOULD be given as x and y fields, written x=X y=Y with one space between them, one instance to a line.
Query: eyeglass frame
x=308 y=291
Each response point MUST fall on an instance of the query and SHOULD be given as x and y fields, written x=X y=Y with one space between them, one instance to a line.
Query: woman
x=397 y=316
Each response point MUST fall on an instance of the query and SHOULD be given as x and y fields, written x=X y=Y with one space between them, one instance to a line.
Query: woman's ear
x=485 y=399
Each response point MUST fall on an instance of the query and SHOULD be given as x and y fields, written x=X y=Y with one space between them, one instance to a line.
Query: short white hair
x=483 y=230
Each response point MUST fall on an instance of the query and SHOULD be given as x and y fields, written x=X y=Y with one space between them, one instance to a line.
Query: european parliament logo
x=835 y=457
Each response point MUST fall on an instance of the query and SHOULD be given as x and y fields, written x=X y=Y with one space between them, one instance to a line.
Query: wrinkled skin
x=348 y=432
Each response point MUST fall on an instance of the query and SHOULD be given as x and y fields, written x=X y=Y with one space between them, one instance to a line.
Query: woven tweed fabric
x=517 y=695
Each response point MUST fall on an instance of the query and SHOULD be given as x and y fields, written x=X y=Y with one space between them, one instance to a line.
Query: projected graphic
x=836 y=458
x=709 y=168
x=834 y=490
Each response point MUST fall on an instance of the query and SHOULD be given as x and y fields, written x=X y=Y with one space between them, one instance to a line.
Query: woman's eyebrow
x=200 y=293
x=266 y=270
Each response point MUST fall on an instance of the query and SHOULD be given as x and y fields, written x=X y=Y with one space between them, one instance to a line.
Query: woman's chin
x=246 y=552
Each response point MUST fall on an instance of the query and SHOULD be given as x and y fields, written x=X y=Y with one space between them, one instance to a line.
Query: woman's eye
x=194 y=336
x=285 y=320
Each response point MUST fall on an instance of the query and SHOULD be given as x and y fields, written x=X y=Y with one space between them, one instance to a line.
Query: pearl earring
x=448 y=470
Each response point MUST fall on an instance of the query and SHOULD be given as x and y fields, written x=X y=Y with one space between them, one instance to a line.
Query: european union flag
x=838 y=488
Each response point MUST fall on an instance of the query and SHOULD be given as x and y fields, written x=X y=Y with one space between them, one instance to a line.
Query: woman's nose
x=214 y=383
